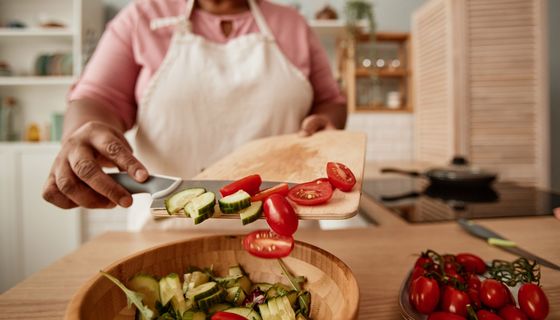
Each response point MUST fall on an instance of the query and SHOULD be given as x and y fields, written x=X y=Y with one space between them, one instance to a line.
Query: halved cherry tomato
x=280 y=215
x=455 y=301
x=533 y=301
x=493 y=293
x=487 y=315
x=340 y=176
x=510 y=312
x=424 y=294
x=444 y=316
x=249 y=184
x=281 y=189
x=311 y=193
x=471 y=263
x=267 y=244
x=224 y=315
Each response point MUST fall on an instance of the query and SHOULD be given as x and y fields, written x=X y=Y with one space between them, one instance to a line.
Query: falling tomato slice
x=249 y=184
x=311 y=193
x=340 y=176
x=267 y=244
x=281 y=189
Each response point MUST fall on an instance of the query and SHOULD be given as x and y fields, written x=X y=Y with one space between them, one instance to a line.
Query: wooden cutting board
x=296 y=159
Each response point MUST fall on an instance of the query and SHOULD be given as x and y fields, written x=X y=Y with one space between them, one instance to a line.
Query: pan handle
x=411 y=173
x=412 y=194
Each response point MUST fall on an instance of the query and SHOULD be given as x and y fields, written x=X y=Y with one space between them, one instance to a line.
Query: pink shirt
x=129 y=52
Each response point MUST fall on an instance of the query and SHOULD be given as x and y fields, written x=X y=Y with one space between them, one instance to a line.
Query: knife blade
x=160 y=186
x=509 y=246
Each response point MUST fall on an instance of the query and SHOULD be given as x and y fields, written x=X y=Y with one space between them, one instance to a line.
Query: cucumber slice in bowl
x=251 y=213
x=148 y=286
x=178 y=200
x=235 y=202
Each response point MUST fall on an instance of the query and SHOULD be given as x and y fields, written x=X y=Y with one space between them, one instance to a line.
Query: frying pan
x=458 y=174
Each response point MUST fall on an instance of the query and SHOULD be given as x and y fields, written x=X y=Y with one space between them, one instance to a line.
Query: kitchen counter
x=380 y=258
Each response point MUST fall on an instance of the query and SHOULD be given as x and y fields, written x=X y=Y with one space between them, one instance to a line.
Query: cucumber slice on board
x=148 y=286
x=201 y=207
x=251 y=213
x=178 y=200
x=245 y=312
x=235 y=202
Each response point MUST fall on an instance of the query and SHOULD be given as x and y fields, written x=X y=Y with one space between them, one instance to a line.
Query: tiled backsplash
x=389 y=136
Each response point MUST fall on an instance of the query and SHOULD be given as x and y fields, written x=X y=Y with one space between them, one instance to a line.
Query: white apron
x=207 y=99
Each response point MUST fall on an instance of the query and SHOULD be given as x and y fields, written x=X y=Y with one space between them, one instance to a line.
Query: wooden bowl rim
x=74 y=306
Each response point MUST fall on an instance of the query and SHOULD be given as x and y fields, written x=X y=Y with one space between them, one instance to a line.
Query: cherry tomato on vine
x=473 y=281
x=454 y=301
x=423 y=261
x=445 y=316
x=487 y=315
x=417 y=272
x=311 y=193
x=510 y=312
x=474 y=297
x=471 y=263
x=280 y=215
x=424 y=294
x=340 y=176
x=493 y=294
x=532 y=301
x=267 y=244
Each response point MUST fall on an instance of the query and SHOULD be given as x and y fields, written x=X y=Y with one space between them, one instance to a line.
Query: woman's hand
x=314 y=123
x=76 y=178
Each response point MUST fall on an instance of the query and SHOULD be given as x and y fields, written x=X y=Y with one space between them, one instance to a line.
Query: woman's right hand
x=76 y=177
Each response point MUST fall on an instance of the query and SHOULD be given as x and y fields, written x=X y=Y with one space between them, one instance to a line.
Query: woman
x=196 y=79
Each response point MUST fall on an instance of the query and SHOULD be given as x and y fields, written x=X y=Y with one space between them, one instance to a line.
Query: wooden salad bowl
x=333 y=287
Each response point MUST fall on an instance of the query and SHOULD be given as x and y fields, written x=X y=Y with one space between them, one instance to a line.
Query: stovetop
x=416 y=201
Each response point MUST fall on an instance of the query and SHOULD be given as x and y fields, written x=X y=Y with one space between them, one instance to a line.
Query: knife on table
x=160 y=186
x=497 y=240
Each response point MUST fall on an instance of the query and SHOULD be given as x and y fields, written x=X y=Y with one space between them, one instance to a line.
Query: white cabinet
x=33 y=233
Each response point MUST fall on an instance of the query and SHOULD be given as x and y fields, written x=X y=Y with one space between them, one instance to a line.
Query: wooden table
x=379 y=257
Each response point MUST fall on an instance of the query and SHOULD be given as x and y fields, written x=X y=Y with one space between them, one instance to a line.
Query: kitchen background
x=28 y=223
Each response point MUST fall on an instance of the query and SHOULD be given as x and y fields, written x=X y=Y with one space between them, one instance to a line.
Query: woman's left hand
x=314 y=123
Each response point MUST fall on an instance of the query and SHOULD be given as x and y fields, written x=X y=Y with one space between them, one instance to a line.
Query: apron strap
x=260 y=20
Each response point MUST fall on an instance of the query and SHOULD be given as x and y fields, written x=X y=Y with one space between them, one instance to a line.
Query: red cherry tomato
x=417 y=272
x=249 y=184
x=454 y=301
x=450 y=267
x=281 y=189
x=452 y=274
x=311 y=193
x=473 y=282
x=471 y=263
x=280 y=215
x=493 y=294
x=445 y=316
x=532 y=301
x=474 y=297
x=267 y=244
x=224 y=315
x=340 y=176
x=487 y=315
x=423 y=261
x=424 y=294
x=510 y=312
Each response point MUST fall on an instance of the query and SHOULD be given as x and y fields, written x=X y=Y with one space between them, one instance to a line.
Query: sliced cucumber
x=218 y=307
x=235 y=202
x=178 y=200
x=194 y=315
x=229 y=281
x=245 y=312
x=300 y=317
x=245 y=284
x=202 y=291
x=201 y=207
x=262 y=286
x=207 y=302
x=265 y=312
x=280 y=308
x=251 y=213
x=235 y=295
x=236 y=271
x=148 y=286
x=171 y=290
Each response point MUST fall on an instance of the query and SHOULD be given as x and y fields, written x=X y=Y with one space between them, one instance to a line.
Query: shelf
x=386 y=37
x=36 y=80
x=330 y=27
x=385 y=73
x=36 y=32
x=365 y=109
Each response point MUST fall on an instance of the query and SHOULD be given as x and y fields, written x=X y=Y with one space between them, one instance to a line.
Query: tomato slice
x=340 y=176
x=281 y=189
x=280 y=215
x=249 y=184
x=224 y=315
x=311 y=193
x=267 y=244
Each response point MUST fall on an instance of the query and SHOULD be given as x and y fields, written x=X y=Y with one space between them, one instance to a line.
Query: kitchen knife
x=497 y=240
x=160 y=186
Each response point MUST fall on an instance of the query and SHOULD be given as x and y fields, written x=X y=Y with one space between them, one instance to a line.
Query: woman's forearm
x=335 y=112
x=83 y=111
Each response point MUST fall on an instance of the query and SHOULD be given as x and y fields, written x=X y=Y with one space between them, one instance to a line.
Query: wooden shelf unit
x=351 y=72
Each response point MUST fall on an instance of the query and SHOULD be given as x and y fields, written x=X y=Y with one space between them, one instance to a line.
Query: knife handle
x=156 y=185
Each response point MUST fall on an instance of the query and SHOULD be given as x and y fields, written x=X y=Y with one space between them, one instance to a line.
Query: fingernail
x=125 y=202
x=141 y=174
